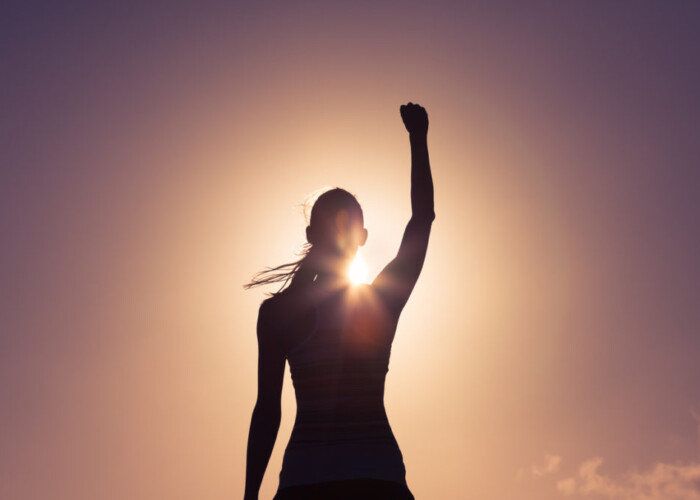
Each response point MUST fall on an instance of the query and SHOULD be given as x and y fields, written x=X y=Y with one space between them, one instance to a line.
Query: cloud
x=551 y=464
x=662 y=482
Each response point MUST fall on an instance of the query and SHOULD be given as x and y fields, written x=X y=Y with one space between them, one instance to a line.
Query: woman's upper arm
x=397 y=280
x=271 y=357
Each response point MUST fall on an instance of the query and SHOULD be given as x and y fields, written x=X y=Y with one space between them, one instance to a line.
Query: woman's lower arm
x=264 y=425
x=422 y=203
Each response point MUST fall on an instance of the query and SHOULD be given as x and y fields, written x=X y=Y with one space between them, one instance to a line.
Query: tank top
x=338 y=371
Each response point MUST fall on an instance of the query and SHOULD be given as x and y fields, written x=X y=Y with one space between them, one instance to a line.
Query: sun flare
x=358 y=271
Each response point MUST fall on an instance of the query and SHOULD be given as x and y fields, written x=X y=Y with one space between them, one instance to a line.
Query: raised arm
x=397 y=280
x=267 y=413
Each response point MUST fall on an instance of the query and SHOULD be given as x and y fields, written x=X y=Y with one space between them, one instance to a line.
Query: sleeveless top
x=341 y=429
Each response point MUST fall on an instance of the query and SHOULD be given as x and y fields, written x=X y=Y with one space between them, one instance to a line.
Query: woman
x=337 y=339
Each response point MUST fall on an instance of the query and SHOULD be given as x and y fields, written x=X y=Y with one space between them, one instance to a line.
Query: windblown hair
x=295 y=275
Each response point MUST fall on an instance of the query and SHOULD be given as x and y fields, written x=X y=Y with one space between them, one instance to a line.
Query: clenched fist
x=415 y=118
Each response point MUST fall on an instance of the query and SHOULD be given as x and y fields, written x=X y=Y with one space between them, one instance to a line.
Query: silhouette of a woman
x=337 y=339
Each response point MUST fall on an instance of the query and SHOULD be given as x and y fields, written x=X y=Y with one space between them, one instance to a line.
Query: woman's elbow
x=426 y=217
x=268 y=409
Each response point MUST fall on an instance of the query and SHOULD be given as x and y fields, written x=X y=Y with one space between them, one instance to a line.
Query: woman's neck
x=332 y=278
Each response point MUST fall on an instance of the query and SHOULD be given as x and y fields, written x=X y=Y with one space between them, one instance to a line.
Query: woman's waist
x=316 y=429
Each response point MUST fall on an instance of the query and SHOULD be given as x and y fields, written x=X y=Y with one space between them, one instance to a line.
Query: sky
x=155 y=156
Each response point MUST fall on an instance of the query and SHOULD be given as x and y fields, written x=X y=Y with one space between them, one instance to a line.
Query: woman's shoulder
x=273 y=309
x=373 y=298
x=284 y=312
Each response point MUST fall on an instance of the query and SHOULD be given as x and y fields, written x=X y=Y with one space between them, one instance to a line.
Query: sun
x=358 y=271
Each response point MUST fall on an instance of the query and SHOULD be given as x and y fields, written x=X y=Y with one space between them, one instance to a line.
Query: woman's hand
x=415 y=118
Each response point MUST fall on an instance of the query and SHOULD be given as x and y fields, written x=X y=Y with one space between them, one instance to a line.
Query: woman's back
x=337 y=339
x=339 y=349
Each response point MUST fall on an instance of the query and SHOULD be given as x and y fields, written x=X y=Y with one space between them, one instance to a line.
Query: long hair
x=295 y=275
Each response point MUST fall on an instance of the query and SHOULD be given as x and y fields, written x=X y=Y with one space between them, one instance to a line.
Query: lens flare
x=358 y=271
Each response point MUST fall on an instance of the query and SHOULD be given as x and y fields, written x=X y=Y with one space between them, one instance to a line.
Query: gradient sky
x=154 y=157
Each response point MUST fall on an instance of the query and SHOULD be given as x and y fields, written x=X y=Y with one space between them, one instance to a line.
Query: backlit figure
x=337 y=339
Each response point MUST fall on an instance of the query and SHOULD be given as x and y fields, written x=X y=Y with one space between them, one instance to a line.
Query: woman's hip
x=347 y=489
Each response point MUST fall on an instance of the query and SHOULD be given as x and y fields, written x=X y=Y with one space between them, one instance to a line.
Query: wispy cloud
x=662 y=482
x=567 y=486
x=550 y=465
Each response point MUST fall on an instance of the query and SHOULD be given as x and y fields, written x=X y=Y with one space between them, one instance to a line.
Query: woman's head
x=334 y=234
x=336 y=225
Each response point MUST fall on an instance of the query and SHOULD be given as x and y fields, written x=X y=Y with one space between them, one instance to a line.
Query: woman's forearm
x=422 y=203
x=263 y=432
